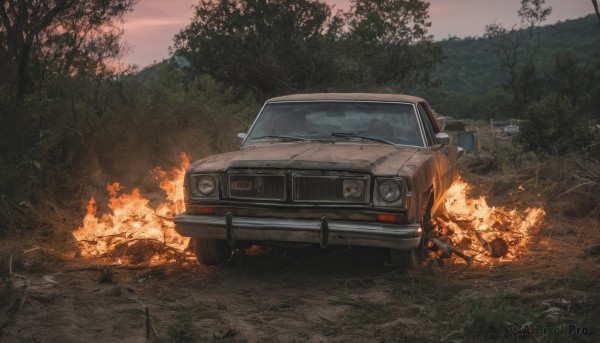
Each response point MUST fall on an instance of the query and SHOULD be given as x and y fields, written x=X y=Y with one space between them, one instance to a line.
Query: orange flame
x=475 y=227
x=132 y=220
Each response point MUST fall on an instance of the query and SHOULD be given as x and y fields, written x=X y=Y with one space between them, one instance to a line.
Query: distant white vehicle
x=510 y=130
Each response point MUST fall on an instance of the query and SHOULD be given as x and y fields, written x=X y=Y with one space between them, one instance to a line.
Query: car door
x=444 y=158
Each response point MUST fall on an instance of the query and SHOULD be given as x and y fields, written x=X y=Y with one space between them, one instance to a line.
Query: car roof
x=347 y=97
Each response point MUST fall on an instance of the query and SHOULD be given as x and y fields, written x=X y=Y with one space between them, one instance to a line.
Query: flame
x=132 y=220
x=482 y=231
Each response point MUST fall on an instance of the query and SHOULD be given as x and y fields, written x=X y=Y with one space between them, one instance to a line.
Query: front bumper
x=323 y=232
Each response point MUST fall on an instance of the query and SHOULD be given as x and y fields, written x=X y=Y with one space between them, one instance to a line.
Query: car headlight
x=206 y=185
x=389 y=190
x=353 y=188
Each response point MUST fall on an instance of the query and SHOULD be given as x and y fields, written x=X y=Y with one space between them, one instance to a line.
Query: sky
x=150 y=28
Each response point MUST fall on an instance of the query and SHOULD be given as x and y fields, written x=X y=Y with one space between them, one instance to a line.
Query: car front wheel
x=408 y=258
x=208 y=251
x=403 y=258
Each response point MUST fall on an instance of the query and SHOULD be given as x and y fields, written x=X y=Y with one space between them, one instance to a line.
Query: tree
x=389 y=42
x=85 y=40
x=56 y=56
x=516 y=49
x=22 y=22
x=60 y=34
x=567 y=78
x=277 y=46
x=270 y=46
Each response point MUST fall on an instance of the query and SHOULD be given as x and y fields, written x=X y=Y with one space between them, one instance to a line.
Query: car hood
x=377 y=159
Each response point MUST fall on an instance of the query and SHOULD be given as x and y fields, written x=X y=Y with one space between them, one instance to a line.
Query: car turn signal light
x=390 y=218
x=202 y=210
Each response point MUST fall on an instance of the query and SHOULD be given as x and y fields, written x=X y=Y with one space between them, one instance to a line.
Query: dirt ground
x=314 y=296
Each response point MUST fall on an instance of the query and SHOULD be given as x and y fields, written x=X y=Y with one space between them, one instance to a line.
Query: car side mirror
x=241 y=137
x=442 y=138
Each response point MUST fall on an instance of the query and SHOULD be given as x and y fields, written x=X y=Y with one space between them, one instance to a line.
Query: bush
x=554 y=126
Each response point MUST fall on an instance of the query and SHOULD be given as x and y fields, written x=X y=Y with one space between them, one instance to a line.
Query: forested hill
x=471 y=68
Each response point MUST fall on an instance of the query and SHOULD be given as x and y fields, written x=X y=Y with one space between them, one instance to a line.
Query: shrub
x=554 y=126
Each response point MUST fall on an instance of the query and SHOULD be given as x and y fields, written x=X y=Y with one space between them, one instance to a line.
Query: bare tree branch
x=595 y=3
x=23 y=21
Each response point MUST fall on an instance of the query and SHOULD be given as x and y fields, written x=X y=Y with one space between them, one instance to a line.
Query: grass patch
x=582 y=280
x=590 y=313
x=202 y=311
x=221 y=306
x=185 y=327
x=364 y=312
x=133 y=312
x=6 y=294
x=489 y=318
x=435 y=287
x=39 y=261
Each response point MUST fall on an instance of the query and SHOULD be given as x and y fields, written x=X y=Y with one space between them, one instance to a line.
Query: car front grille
x=328 y=188
x=307 y=186
x=257 y=186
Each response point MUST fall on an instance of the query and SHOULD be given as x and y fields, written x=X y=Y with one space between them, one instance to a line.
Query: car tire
x=427 y=225
x=208 y=251
x=409 y=258
x=403 y=258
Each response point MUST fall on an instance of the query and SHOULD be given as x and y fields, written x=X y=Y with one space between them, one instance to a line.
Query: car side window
x=427 y=126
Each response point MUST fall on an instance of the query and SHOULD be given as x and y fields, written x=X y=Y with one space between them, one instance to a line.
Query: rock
x=558 y=302
x=592 y=249
x=48 y=281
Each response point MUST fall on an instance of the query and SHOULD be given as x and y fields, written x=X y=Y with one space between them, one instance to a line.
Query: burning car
x=327 y=169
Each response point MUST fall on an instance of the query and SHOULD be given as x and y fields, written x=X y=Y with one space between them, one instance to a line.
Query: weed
x=6 y=294
x=589 y=317
x=107 y=275
x=364 y=312
x=487 y=318
x=435 y=287
x=183 y=328
x=39 y=260
x=133 y=312
x=202 y=311
x=221 y=306
x=581 y=280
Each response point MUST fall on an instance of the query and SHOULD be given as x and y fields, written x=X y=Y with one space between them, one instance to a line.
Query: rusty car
x=344 y=169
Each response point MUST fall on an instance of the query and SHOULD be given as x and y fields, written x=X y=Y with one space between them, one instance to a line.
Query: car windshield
x=382 y=122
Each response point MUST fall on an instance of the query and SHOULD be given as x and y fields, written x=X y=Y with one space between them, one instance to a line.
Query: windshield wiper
x=356 y=135
x=294 y=138
x=283 y=138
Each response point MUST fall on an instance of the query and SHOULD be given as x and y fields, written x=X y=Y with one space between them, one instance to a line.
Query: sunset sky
x=150 y=28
